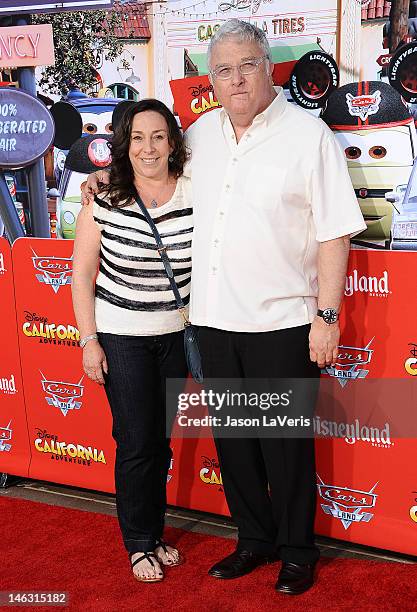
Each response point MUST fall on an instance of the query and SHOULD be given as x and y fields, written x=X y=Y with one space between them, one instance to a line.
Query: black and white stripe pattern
x=133 y=294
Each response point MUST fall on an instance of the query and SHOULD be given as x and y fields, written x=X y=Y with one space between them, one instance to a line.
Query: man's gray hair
x=244 y=32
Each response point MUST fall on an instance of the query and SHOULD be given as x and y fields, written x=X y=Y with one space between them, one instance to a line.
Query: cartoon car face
x=87 y=151
x=379 y=160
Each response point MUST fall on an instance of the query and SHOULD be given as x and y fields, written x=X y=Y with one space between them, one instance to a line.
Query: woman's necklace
x=153 y=201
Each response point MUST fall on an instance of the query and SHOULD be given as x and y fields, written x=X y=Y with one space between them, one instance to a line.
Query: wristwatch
x=329 y=315
x=84 y=341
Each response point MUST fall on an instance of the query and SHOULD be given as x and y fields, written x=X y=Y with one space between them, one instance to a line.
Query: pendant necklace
x=154 y=203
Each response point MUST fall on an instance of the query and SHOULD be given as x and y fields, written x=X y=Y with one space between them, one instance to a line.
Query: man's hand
x=324 y=341
x=91 y=186
x=94 y=362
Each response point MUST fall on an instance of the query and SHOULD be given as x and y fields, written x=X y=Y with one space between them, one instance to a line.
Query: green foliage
x=81 y=39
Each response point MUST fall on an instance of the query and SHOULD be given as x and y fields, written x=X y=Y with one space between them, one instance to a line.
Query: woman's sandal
x=148 y=556
x=164 y=545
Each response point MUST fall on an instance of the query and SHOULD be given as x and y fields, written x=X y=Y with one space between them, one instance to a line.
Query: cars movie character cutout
x=374 y=125
x=83 y=130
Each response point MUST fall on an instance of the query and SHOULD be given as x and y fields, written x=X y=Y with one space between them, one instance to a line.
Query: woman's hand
x=94 y=362
x=91 y=186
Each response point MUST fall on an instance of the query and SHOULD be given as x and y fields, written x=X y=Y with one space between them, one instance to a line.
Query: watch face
x=330 y=315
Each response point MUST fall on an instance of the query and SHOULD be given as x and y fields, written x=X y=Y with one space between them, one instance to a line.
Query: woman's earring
x=170 y=159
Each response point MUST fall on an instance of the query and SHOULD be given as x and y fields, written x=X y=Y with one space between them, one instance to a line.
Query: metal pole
x=8 y=212
x=38 y=207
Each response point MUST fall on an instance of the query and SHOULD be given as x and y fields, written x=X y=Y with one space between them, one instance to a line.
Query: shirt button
x=216 y=242
x=214 y=269
x=221 y=213
x=234 y=160
x=227 y=187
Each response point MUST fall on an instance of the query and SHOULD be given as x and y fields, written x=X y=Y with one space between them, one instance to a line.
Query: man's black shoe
x=237 y=564
x=294 y=579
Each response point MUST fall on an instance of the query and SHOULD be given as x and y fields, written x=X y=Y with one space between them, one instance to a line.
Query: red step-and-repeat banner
x=60 y=422
x=14 y=443
x=68 y=418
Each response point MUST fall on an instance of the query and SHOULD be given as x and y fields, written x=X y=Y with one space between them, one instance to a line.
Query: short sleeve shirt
x=261 y=208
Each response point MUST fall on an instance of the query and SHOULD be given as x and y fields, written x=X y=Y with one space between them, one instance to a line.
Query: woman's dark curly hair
x=121 y=188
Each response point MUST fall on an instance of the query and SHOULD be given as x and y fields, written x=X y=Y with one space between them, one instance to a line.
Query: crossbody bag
x=191 y=348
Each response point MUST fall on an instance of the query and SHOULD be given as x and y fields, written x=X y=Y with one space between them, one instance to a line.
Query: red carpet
x=47 y=548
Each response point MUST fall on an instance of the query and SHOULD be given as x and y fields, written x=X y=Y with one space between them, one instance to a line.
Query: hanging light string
x=184 y=11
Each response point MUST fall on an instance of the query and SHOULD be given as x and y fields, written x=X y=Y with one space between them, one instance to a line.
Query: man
x=273 y=211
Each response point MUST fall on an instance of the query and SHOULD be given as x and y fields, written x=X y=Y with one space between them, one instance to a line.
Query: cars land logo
x=63 y=395
x=2 y=268
x=413 y=510
x=67 y=452
x=210 y=472
x=8 y=385
x=5 y=438
x=373 y=285
x=363 y=106
x=55 y=271
x=410 y=363
x=36 y=326
x=347 y=504
x=347 y=364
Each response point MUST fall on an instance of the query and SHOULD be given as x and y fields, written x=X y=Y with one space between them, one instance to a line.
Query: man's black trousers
x=269 y=483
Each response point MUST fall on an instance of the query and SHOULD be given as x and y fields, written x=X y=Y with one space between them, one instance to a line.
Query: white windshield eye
x=89 y=128
x=108 y=128
x=378 y=147
x=353 y=152
x=377 y=152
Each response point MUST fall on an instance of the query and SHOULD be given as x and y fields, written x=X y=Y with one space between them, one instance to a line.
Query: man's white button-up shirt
x=261 y=207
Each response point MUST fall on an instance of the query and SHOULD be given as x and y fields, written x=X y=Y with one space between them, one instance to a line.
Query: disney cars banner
x=14 y=443
x=68 y=417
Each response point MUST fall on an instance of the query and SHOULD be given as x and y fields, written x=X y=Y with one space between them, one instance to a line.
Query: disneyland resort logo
x=53 y=271
x=374 y=286
x=66 y=452
x=353 y=432
x=8 y=385
x=210 y=472
x=47 y=332
x=347 y=505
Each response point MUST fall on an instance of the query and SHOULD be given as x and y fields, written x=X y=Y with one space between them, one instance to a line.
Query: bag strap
x=162 y=250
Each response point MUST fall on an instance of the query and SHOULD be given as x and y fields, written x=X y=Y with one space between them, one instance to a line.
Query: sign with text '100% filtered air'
x=26 y=129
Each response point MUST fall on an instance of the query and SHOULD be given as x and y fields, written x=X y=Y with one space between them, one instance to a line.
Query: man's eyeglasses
x=247 y=67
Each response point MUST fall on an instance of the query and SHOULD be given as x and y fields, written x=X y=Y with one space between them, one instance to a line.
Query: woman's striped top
x=133 y=294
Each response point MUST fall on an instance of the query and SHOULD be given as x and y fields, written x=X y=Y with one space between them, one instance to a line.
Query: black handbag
x=191 y=348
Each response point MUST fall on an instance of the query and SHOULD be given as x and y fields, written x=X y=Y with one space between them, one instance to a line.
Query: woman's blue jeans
x=135 y=387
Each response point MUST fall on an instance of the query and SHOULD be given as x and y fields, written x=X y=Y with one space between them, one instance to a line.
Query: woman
x=130 y=329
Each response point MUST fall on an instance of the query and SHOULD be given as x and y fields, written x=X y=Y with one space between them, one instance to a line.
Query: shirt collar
x=269 y=115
